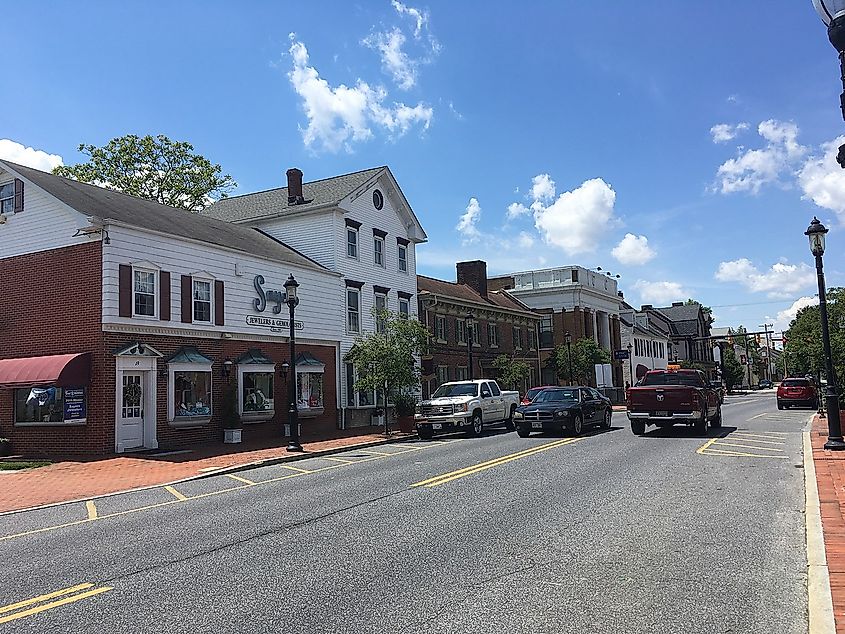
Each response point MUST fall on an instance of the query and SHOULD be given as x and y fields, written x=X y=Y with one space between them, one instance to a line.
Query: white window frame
x=187 y=421
x=357 y=243
x=255 y=368
x=155 y=293
x=445 y=371
x=11 y=198
x=462 y=373
x=438 y=320
x=302 y=370
x=492 y=335
x=379 y=241
x=381 y=322
x=402 y=249
x=404 y=308
x=350 y=311
x=461 y=331
x=194 y=300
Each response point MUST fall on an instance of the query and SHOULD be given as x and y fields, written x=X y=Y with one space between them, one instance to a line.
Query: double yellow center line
x=42 y=603
x=495 y=462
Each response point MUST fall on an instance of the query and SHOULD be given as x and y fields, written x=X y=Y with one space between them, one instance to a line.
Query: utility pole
x=765 y=328
x=748 y=360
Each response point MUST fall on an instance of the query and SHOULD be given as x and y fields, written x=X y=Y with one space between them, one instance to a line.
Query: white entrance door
x=131 y=411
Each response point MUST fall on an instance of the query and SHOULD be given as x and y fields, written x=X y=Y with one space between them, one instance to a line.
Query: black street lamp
x=568 y=339
x=832 y=13
x=816 y=234
x=293 y=415
x=470 y=330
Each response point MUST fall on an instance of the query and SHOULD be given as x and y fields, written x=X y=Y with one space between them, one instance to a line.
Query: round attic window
x=378 y=199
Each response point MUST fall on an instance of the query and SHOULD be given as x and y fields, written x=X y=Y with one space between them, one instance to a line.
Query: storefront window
x=257 y=392
x=192 y=394
x=50 y=405
x=309 y=390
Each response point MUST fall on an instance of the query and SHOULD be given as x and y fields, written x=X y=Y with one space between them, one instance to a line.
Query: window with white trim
x=143 y=293
x=403 y=258
x=461 y=373
x=352 y=242
x=461 y=331
x=353 y=309
x=50 y=405
x=492 y=335
x=440 y=327
x=7 y=198
x=442 y=374
x=476 y=334
x=202 y=301
x=256 y=392
x=378 y=251
x=517 y=338
x=309 y=390
x=404 y=308
x=191 y=392
x=380 y=303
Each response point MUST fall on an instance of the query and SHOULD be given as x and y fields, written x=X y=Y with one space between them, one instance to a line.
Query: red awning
x=62 y=370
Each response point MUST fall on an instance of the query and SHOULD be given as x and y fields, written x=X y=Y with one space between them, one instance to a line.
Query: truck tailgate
x=665 y=398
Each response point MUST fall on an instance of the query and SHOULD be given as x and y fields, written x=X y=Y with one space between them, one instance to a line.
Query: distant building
x=504 y=325
x=571 y=299
x=647 y=340
x=689 y=333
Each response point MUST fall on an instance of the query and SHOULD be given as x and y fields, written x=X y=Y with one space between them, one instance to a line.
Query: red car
x=797 y=391
x=531 y=394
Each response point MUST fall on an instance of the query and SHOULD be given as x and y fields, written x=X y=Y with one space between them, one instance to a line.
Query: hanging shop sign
x=273 y=323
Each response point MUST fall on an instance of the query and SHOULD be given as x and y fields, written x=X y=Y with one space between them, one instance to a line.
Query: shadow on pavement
x=684 y=431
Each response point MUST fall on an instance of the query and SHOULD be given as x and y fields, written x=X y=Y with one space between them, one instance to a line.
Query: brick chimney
x=295 y=186
x=646 y=307
x=474 y=275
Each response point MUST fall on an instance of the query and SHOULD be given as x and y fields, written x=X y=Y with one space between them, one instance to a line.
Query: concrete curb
x=222 y=471
x=819 y=601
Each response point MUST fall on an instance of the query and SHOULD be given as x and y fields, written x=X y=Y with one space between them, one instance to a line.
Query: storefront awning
x=307 y=362
x=61 y=370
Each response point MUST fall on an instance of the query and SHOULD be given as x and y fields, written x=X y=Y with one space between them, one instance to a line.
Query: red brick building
x=503 y=326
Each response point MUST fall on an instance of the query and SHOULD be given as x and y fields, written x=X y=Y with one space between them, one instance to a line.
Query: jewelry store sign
x=273 y=323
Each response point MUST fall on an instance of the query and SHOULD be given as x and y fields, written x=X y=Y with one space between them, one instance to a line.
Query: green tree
x=384 y=361
x=512 y=372
x=733 y=370
x=154 y=168
x=804 y=350
x=586 y=354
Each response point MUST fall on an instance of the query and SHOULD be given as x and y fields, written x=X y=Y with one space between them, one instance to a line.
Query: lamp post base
x=295 y=446
x=835 y=444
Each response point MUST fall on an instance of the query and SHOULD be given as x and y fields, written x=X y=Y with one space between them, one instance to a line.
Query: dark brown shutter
x=18 y=195
x=164 y=296
x=219 y=306
x=124 y=285
x=187 y=300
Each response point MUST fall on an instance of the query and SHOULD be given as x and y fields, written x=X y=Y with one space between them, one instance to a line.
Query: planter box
x=232 y=436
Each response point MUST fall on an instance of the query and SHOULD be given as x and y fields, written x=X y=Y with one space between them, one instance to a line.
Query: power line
x=779 y=301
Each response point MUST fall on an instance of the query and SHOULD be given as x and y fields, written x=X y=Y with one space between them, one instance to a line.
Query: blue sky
x=537 y=134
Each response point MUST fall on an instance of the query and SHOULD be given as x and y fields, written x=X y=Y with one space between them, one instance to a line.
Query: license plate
x=536 y=425
x=661 y=413
x=437 y=426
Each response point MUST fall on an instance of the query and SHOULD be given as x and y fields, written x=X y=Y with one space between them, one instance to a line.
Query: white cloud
x=515 y=210
x=660 y=292
x=525 y=240
x=633 y=250
x=420 y=17
x=781 y=280
x=394 y=60
x=785 y=317
x=542 y=188
x=823 y=180
x=23 y=155
x=752 y=169
x=576 y=221
x=468 y=224
x=723 y=132
x=339 y=116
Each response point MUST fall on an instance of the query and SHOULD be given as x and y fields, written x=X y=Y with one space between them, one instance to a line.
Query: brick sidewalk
x=830 y=476
x=78 y=479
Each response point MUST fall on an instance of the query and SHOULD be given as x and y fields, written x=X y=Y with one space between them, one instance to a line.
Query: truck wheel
x=700 y=425
x=509 y=420
x=780 y=405
x=577 y=426
x=522 y=433
x=425 y=433
x=477 y=425
x=638 y=427
x=716 y=423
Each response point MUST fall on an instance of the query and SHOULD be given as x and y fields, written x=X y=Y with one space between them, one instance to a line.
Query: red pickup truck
x=666 y=397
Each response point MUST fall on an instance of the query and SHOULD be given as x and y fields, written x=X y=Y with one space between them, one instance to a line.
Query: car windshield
x=672 y=378
x=456 y=389
x=530 y=394
x=795 y=383
x=554 y=396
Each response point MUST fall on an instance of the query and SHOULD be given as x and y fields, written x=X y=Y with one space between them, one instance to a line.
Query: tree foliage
x=733 y=370
x=708 y=312
x=586 y=354
x=512 y=372
x=155 y=168
x=384 y=361
x=804 y=350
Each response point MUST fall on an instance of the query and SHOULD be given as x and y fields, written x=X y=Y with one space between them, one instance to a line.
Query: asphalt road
x=668 y=532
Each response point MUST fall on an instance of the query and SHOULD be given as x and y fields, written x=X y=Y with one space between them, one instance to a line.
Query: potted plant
x=5 y=447
x=405 y=405
x=229 y=414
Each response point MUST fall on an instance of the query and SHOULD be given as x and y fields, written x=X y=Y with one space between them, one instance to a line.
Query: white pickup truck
x=465 y=405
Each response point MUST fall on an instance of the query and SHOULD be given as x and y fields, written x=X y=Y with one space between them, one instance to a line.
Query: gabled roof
x=107 y=205
x=687 y=312
x=320 y=193
x=463 y=292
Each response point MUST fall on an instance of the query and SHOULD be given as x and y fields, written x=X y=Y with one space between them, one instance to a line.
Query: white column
x=595 y=316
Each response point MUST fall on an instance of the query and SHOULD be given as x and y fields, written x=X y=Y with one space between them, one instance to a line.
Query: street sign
x=621 y=354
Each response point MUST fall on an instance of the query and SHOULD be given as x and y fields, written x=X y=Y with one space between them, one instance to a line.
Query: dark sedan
x=563 y=409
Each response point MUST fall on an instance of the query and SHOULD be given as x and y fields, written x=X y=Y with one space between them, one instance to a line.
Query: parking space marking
x=333 y=459
x=292 y=468
x=742 y=443
x=756 y=438
x=92 y=509
x=179 y=496
x=240 y=479
x=725 y=452
x=746 y=446
x=76 y=593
